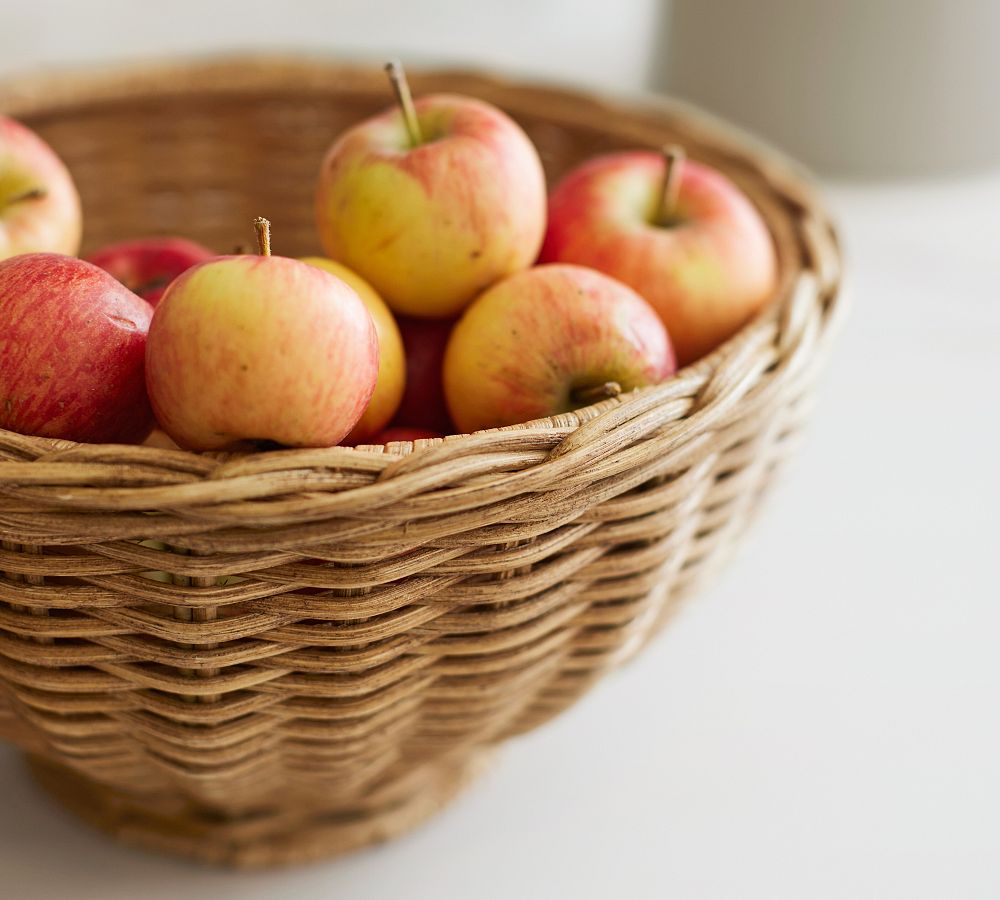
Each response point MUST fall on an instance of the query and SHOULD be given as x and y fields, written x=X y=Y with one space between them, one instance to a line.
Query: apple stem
x=263 y=229
x=33 y=194
x=673 y=159
x=401 y=88
x=595 y=393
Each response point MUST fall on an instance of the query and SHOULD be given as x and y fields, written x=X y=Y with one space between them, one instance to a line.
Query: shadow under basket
x=275 y=657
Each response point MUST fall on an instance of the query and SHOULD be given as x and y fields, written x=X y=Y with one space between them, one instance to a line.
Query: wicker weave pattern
x=302 y=644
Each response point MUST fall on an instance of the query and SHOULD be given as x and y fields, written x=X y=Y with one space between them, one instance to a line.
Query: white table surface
x=823 y=723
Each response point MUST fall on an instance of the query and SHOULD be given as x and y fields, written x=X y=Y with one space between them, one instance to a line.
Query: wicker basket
x=270 y=658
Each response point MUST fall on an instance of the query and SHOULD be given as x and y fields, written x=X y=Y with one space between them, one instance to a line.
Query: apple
x=432 y=202
x=550 y=340
x=401 y=433
x=260 y=348
x=39 y=205
x=423 y=404
x=147 y=265
x=72 y=345
x=392 y=362
x=680 y=233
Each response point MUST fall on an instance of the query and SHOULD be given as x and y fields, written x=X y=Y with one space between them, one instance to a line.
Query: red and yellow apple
x=39 y=205
x=423 y=404
x=432 y=208
x=547 y=341
x=147 y=265
x=72 y=349
x=392 y=362
x=260 y=348
x=706 y=267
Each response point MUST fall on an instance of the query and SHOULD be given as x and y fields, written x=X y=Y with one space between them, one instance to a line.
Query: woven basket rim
x=74 y=87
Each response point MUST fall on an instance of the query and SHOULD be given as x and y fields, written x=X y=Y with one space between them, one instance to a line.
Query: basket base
x=257 y=841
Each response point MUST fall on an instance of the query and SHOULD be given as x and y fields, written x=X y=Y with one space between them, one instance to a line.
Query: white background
x=593 y=41
x=823 y=723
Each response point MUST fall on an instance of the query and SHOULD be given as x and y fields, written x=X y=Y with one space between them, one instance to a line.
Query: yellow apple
x=39 y=205
x=433 y=203
x=392 y=360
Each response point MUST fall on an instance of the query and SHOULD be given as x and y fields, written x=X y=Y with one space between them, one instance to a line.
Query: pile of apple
x=456 y=295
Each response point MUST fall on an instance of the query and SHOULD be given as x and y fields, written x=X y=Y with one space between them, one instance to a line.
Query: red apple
x=432 y=203
x=72 y=344
x=706 y=265
x=548 y=341
x=423 y=404
x=39 y=205
x=260 y=348
x=148 y=265
x=399 y=433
